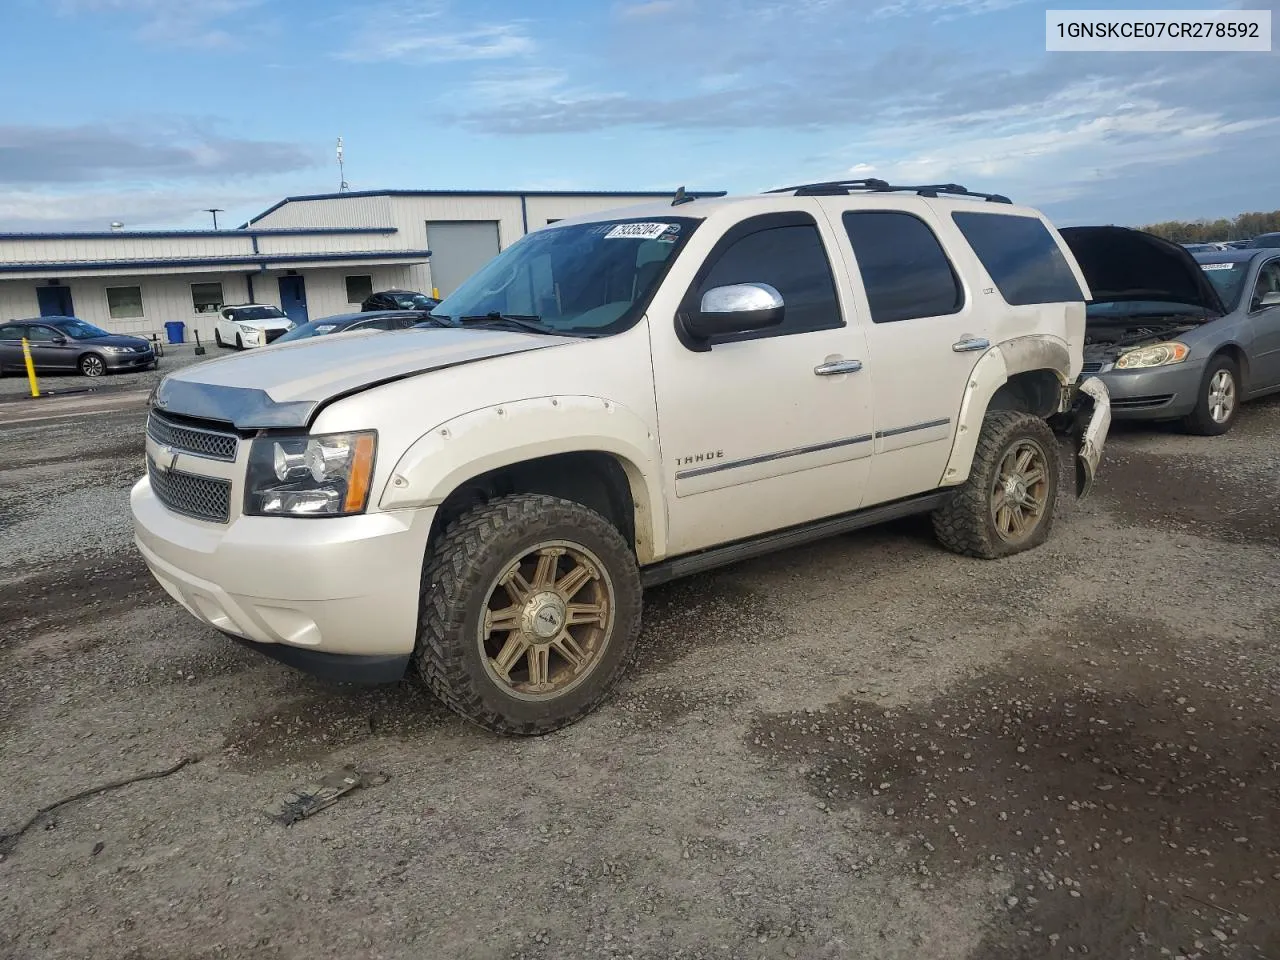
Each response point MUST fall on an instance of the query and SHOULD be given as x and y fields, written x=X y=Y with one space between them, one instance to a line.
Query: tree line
x=1243 y=227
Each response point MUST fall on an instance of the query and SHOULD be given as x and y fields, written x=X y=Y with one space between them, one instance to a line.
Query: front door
x=926 y=338
x=55 y=301
x=773 y=428
x=293 y=298
x=1264 y=316
x=50 y=348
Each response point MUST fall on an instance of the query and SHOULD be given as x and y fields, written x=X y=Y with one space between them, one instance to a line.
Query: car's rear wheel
x=1219 y=400
x=92 y=365
x=530 y=609
x=1006 y=505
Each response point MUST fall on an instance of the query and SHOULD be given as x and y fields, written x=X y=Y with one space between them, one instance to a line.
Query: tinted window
x=904 y=269
x=1268 y=282
x=792 y=260
x=41 y=334
x=1021 y=256
x=11 y=332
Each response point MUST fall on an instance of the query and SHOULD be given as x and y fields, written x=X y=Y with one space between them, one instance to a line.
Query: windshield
x=79 y=330
x=255 y=313
x=1227 y=279
x=307 y=330
x=413 y=301
x=582 y=279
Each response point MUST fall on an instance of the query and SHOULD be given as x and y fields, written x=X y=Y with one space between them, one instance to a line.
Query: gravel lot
x=865 y=748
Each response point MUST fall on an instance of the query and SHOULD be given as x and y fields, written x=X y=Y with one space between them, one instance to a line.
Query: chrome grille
x=204 y=498
x=209 y=444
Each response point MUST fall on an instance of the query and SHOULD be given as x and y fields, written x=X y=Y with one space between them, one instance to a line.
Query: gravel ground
x=864 y=748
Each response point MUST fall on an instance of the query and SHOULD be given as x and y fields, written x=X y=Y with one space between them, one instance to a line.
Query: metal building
x=312 y=256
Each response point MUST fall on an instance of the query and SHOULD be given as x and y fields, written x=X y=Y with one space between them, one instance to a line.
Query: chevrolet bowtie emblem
x=165 y=458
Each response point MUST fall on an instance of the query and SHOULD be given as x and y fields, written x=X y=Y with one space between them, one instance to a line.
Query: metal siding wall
x=164 y=298
x=542 y=209
x=43 y=250
x=339 y=212
x=327 y=288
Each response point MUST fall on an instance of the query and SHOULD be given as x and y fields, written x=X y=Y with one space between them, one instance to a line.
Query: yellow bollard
x=435 y=292
x=31 y=367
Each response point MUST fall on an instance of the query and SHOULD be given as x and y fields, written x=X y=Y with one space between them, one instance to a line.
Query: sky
x=148 y=111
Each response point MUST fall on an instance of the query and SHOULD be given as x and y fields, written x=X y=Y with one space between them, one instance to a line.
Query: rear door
x=924 y=338
x=11 y=346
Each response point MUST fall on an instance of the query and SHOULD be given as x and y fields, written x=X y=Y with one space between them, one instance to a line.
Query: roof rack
x=835 y=188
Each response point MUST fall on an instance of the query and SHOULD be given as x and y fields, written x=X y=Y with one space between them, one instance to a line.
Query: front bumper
x=1090 y=421
x=117 y=362
x=337 y=596
x=1157 y=393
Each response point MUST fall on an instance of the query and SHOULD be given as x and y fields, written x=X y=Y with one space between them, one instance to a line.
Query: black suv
x=398 y=300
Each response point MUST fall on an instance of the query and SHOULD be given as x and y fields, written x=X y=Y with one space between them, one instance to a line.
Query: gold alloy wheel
x=1019 y=491
x=547 y=620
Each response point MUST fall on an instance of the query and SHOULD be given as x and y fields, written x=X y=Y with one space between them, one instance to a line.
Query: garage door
x=458 y=249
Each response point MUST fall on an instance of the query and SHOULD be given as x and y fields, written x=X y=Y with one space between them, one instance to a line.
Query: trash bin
x=175 y=330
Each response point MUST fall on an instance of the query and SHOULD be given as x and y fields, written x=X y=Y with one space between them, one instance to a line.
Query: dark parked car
x=1265 y=240
x=398 y=300
x=68 y=343
x=343 y=322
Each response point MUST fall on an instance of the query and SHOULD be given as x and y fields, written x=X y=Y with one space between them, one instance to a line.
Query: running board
x=691 y=563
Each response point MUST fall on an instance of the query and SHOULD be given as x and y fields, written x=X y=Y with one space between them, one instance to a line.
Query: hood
x=1121 y=264
x=267 y=323
x=287 y=384
x=116 y=340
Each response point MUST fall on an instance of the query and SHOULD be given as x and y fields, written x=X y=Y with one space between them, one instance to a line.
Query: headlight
x=249 y=331
x=117 y=349
x=322 y=476
x=1156 y=355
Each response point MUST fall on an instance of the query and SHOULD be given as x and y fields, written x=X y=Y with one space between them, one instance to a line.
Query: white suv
x=612 y=402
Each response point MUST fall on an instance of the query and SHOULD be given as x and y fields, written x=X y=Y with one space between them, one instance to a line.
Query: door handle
x=835 y=367
x=969 y=344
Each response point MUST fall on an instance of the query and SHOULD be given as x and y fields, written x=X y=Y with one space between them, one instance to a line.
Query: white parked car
x=612 y=402
x=250 y=325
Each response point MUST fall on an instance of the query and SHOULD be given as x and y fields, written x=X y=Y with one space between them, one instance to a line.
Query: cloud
x=192 y=23
x=100 y=152
x=942 y=10
x=50 y=210
x=426 y=32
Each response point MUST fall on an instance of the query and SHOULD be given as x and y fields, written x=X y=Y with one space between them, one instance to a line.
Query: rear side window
x=791 y=259
x=904 y=269
x=1021 y=256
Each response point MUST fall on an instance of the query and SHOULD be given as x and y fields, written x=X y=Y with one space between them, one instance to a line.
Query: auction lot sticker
x=1163 y=31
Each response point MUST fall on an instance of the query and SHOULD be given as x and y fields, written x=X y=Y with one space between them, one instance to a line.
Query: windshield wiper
x=440 y=319
x=530 y=322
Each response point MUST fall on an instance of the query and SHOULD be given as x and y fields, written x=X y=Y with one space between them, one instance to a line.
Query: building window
x=124 y=303
x=359 y=289
x=206 y=297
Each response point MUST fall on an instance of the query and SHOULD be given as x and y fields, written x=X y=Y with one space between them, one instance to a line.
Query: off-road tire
x=965 y=524
x=458 y=570
x=1200 y=421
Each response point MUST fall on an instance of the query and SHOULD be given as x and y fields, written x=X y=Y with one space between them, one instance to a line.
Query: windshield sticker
x=637 y=231
x=1217 y=266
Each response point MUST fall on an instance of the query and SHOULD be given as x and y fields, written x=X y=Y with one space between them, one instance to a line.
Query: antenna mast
x=343 y=186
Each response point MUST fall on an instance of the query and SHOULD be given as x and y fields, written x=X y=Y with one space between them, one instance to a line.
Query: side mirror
x=736 y=308
x=60 y=341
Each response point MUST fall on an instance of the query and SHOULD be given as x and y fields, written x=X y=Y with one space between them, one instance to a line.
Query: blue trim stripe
x=233 y=234
x=72 y=267
x=655 y=194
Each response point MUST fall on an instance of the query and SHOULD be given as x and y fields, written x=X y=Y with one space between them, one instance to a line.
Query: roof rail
x=835 y=188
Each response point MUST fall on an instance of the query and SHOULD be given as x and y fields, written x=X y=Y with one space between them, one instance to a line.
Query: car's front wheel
x=239 y=342
x=92 y=365
x=1006 y=505
x=217 y=337
x=1219 y=400
x=530 y=609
